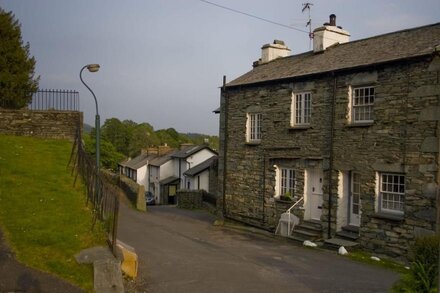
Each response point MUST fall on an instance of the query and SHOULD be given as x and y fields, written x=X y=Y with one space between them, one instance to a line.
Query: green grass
x=386 y=263
x=43 y=215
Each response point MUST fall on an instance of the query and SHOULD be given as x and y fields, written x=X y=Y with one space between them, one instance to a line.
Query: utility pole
x=307 y=6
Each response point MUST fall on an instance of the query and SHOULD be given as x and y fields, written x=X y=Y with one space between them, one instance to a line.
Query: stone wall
x=190 y=199
x=403 y=139
x=134 y=192
x=46 y=124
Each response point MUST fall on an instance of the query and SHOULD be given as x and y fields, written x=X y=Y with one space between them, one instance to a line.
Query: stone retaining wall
x=46 y=124
x=190 y=199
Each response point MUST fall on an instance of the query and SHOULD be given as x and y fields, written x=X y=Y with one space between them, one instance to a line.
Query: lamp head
x=93 y=67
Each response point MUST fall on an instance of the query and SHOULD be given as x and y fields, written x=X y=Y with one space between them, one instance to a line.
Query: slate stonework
x=47 y=124
x=403 y=139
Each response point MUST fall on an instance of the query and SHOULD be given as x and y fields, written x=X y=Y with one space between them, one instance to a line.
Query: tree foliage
x=17 y=77
x=129 y=137
x=109 y=156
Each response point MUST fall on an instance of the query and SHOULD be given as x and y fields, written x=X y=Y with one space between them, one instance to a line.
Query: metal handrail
x=289 y=213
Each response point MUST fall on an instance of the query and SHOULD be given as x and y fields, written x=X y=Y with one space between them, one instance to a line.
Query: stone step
x=351 y=228
x=313 y=223
x=309 y=227
x=335 y=243
x=305 y=235
x=347 y=235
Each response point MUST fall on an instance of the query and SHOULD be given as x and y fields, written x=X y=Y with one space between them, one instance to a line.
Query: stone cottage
x=347 y=134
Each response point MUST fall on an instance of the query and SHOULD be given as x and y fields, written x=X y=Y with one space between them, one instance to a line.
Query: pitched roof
x=169 y=180
x=189 y=150
x=138 y=161
x=394 y=46
x=200 y=167
x=159 y=161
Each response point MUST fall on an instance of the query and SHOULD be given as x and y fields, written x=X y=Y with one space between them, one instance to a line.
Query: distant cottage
x=345 y=138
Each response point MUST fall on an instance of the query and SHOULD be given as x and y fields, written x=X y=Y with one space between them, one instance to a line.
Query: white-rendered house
x=187 y=158
x=137 y=169
x=166 y=173
x=163 y=183
x=198 y=176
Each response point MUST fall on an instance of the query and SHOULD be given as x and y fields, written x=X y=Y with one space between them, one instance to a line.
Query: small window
x=285 y=182
x=301 y=109
x=253 y=132
x=391 y=192
x=362 y=104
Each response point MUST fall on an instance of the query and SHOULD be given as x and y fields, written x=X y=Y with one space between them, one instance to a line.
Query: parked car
x=149 y=198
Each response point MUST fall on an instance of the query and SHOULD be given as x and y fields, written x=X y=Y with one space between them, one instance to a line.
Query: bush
x=423 y=273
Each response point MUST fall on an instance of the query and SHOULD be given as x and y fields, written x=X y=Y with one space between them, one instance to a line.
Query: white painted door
x=315 y=193
x=355 y=200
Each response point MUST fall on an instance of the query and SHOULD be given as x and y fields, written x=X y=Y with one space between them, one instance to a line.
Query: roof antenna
x=307 y=6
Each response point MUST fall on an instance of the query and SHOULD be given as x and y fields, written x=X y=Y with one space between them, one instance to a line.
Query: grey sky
x=163 y=61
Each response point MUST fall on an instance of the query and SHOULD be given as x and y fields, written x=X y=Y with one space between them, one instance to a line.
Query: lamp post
x=94 y=68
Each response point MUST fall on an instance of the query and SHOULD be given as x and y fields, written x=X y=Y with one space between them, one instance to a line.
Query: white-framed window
x=391 y=192
x=301 y=108
x=355 y=193
x=285 y=182
x=362 y=104
x=253 y=131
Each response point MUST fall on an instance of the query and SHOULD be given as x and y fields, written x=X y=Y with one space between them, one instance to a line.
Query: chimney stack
x=332 y=20
x=328 y=35
x=273 y=51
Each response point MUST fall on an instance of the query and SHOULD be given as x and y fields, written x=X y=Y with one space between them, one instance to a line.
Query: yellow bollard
x=129 y=263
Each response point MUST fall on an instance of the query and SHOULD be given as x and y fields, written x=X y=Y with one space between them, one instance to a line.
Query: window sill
x=360 y=124
x=389 y=216
x=299 y=127
x=278 y=200
x=251 y=143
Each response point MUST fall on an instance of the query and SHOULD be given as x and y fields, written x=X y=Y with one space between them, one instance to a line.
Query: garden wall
x=46 y=124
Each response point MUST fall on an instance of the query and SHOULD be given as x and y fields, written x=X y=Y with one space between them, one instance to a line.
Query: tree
x=118 y=133
x=17 y=77
x=109 y=157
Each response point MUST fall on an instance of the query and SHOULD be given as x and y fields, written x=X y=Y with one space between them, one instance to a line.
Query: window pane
x=363 y=100
x=392 y=192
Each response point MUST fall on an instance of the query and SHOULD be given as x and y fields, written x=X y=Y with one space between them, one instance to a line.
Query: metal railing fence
x=101 y=193
x=47 y=100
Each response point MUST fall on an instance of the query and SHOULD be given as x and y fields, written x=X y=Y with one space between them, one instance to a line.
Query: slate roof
x=200 y=167
x=159 y=161
x=394 y=46
x=189 y=150
x=169 y=180
x=138 y=161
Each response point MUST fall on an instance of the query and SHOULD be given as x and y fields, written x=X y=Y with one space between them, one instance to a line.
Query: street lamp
x=94 y=68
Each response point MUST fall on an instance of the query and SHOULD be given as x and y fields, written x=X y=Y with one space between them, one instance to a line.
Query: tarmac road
x=181 y=251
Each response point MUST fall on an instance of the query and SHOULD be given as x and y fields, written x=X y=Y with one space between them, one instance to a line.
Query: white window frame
x=361 y=104
x=355 y=190
x=391 y=191
x=285 y=181
x=253 y=127
x=301 y=109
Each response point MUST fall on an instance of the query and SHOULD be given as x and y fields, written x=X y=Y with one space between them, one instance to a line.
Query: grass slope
x=43 y=215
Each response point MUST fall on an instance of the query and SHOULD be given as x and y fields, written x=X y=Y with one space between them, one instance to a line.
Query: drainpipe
x=331 y=155
x=225 y=139
x=264 y=187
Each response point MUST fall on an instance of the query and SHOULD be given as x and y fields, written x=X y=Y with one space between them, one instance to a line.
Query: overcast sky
x=162 y=61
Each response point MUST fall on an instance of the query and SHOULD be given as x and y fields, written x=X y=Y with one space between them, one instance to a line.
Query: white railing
x=289 y=220
x=289 y=213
